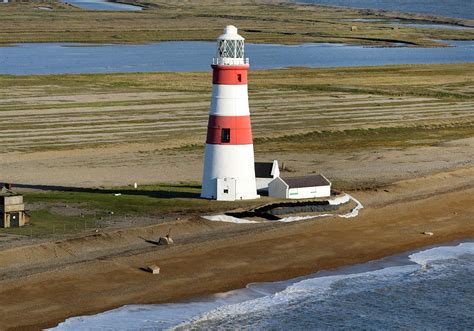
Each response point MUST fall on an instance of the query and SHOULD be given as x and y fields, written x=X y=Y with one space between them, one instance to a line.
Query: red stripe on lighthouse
x=230 y=75
x=237 y=129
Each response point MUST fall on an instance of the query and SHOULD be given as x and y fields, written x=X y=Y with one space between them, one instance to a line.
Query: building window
x=239 y=77
x=226 y=191
x=225 y=136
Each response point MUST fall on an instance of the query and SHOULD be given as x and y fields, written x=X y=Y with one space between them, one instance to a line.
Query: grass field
x=403 y=105
x=259 y=21
x=59 y=211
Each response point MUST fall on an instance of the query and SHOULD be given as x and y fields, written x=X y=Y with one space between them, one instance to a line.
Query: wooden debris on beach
x=427 y=233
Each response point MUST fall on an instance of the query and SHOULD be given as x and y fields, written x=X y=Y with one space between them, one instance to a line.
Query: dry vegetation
x=402 y=105
x=262 y=22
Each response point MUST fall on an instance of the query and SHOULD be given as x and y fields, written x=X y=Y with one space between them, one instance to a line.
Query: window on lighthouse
x=225 y=136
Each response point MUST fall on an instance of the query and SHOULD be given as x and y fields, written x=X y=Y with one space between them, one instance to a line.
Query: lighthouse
x=229 y=172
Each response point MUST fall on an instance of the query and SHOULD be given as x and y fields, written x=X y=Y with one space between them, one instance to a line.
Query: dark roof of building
x=306 y=181
x=263 y=169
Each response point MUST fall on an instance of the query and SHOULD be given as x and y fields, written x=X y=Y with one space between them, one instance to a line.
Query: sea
x=102 y=5
x=447 y=8
x=430 y=289
x=173 y=56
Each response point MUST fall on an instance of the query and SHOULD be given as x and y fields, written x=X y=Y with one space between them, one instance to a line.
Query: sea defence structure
x=229 y=172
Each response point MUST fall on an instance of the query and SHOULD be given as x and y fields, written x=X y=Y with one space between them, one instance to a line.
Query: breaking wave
x=420 y=287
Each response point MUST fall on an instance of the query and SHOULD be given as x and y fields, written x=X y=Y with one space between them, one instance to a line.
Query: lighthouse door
x=226 y=189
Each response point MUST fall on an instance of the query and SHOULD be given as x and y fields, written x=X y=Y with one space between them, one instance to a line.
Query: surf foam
x=423 y=258
x=258 y=297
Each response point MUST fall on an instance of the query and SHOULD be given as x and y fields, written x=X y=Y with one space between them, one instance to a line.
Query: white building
x=265 y=172
x=306 y=187
x=229 y=172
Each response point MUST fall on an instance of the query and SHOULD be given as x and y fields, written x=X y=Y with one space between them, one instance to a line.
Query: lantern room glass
x=230 y=49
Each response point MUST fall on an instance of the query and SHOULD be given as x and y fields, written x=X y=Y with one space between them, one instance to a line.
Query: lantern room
x=230 y=48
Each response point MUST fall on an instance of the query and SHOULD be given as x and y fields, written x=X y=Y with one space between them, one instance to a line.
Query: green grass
x=44 y=223
x=154 y=202
x=439 y=81
x=357 y=139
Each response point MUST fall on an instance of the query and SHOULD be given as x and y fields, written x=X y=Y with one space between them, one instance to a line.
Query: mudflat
x=43 y=284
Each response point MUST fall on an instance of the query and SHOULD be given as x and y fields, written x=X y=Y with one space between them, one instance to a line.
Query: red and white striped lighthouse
x=229 y=172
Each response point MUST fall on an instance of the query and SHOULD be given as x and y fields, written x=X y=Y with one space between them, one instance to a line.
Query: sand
x=88 y=275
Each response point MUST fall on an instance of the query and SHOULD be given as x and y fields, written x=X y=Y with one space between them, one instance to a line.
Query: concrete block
x=154 y=269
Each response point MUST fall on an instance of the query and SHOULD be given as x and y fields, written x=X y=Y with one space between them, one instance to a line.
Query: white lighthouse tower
x=229 y=172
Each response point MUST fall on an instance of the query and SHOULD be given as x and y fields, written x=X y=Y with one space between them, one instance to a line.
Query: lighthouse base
x=229 y=173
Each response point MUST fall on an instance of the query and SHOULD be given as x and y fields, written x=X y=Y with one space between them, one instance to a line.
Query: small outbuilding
x=265 y=172
x=12 y=209
x=305 y=187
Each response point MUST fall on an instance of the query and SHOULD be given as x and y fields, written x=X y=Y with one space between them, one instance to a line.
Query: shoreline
x=253 y=291
x=274 y=279
x=211 y=258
